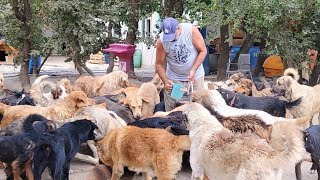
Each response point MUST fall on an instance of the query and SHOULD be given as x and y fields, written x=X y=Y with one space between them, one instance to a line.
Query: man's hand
x=191 y=75
x=168 y=86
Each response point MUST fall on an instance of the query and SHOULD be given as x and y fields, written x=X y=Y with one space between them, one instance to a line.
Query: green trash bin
x=137 y=58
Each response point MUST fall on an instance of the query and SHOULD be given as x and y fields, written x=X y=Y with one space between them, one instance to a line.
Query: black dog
x=312 y=145
x=17 y=151
x=271 y=105
x=55 y=149
x=173 y=120
x=18 y=98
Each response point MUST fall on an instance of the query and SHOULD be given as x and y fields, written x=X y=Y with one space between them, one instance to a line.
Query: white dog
x=309 y=105
x=219 y=153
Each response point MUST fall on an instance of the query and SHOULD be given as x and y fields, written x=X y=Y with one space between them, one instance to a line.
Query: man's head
x=169 y=28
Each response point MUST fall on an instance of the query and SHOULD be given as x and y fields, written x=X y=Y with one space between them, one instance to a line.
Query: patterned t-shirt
x=181 y=54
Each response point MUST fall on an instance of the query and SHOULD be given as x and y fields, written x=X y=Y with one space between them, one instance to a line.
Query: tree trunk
x=22 y=12
x=172 y=8
x=111 y=56
x=261 y=58
x=45 y=59
x=244 y=49
x=80 y=66
x=111 y=63
x=224 y=56
x=133 y=17
x=315 y=74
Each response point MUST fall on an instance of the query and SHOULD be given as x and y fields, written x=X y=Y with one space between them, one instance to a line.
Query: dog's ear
x=168 y=129
x=147 y=99
x=125 y=101
x=124 y=82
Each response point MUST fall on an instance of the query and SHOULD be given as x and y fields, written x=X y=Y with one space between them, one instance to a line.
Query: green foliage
x=290 y=27
x=11 y=27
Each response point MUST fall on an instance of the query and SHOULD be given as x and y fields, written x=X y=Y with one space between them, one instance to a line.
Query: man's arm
x=160 y=65
x=199 y=44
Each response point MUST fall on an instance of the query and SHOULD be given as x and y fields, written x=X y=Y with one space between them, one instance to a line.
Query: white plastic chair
x=243 y=66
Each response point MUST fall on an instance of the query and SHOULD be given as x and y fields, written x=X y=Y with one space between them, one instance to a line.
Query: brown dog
x=150 y=151
x=62 y=110
x=247 y=87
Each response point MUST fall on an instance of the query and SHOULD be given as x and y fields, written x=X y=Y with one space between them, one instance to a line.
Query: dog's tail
x=39 y=79
x=290 y=105
x=182 y=142
x=292 y=72
x=28 y=123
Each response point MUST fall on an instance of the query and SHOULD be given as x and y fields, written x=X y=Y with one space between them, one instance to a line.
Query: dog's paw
x=71 y=171
x=312 y=171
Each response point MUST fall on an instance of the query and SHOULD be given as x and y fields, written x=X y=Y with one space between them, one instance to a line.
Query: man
x=182 y=48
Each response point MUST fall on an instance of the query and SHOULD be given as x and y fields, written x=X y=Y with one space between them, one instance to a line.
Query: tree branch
x=17 y=12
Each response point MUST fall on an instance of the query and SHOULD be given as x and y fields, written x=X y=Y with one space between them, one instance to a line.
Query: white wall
x=148 y=53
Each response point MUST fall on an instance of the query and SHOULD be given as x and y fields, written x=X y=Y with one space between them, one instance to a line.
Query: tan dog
x=309 y=105
x=102 y=85
x=222 y=154
x=150 y=151
x=142 y=105
x=62 y=110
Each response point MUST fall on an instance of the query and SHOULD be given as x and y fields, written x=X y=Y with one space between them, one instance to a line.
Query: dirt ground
x=57 y=68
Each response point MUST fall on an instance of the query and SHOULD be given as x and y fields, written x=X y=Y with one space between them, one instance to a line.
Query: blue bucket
x=177 y=91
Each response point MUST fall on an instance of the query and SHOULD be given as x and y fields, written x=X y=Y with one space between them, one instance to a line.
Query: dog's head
x=59 y=92
x=243 y=89
x=135 y=104
x=308 y=142
x=157 y=82
x=284 y=83
x=79 y=99
x=67 y=84
x=208 y=98
x=226 y=94
x=123 y=79
x=237 y=77
x=1 y=81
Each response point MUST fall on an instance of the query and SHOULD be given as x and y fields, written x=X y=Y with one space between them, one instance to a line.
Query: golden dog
x=102 y=85
x=150 y=151
x=142 y=105
x=62 y=110
x=222 y=154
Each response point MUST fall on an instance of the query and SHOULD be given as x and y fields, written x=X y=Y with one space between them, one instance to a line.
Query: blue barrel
x=206 y=63
x=31 y=63
x=253 y=51
x=107 y=58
